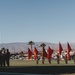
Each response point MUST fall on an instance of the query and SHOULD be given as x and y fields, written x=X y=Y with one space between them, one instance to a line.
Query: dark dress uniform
x=58 y=59
x=7 y=57
x=1 y=58
x=66 y=59
x=74 y=58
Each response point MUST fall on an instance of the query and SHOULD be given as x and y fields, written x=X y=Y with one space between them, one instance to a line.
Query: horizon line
x=35 y=42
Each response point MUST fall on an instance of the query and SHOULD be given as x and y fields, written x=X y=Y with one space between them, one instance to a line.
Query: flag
x=49 y=52
x=60 y=49
x=68 y=50
x=29 y=53
x=68 y=47
x=44 y=54
x=35 y=53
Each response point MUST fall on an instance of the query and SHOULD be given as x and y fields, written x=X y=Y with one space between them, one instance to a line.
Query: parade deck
x=39 y=69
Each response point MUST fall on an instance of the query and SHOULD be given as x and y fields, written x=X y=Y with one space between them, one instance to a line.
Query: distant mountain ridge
x=19 y=46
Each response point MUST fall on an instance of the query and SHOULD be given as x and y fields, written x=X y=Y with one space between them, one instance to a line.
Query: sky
x=37 y=20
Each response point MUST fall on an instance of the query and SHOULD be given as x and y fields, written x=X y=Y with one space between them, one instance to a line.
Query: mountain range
x=21 y=46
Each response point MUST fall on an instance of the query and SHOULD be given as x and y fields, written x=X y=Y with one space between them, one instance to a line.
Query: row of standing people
x=58 y=59
x=65 y=58
x=4 y=57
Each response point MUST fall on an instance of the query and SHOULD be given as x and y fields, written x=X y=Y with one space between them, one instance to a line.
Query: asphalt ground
x=39 y=69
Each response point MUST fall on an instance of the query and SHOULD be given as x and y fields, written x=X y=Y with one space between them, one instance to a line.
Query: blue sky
x=37 y=20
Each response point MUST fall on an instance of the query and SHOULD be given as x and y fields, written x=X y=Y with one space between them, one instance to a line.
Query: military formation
x=48 y=54
x=58 y=59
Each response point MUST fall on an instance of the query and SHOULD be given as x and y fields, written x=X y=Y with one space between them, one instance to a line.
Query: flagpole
x=0 y=38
